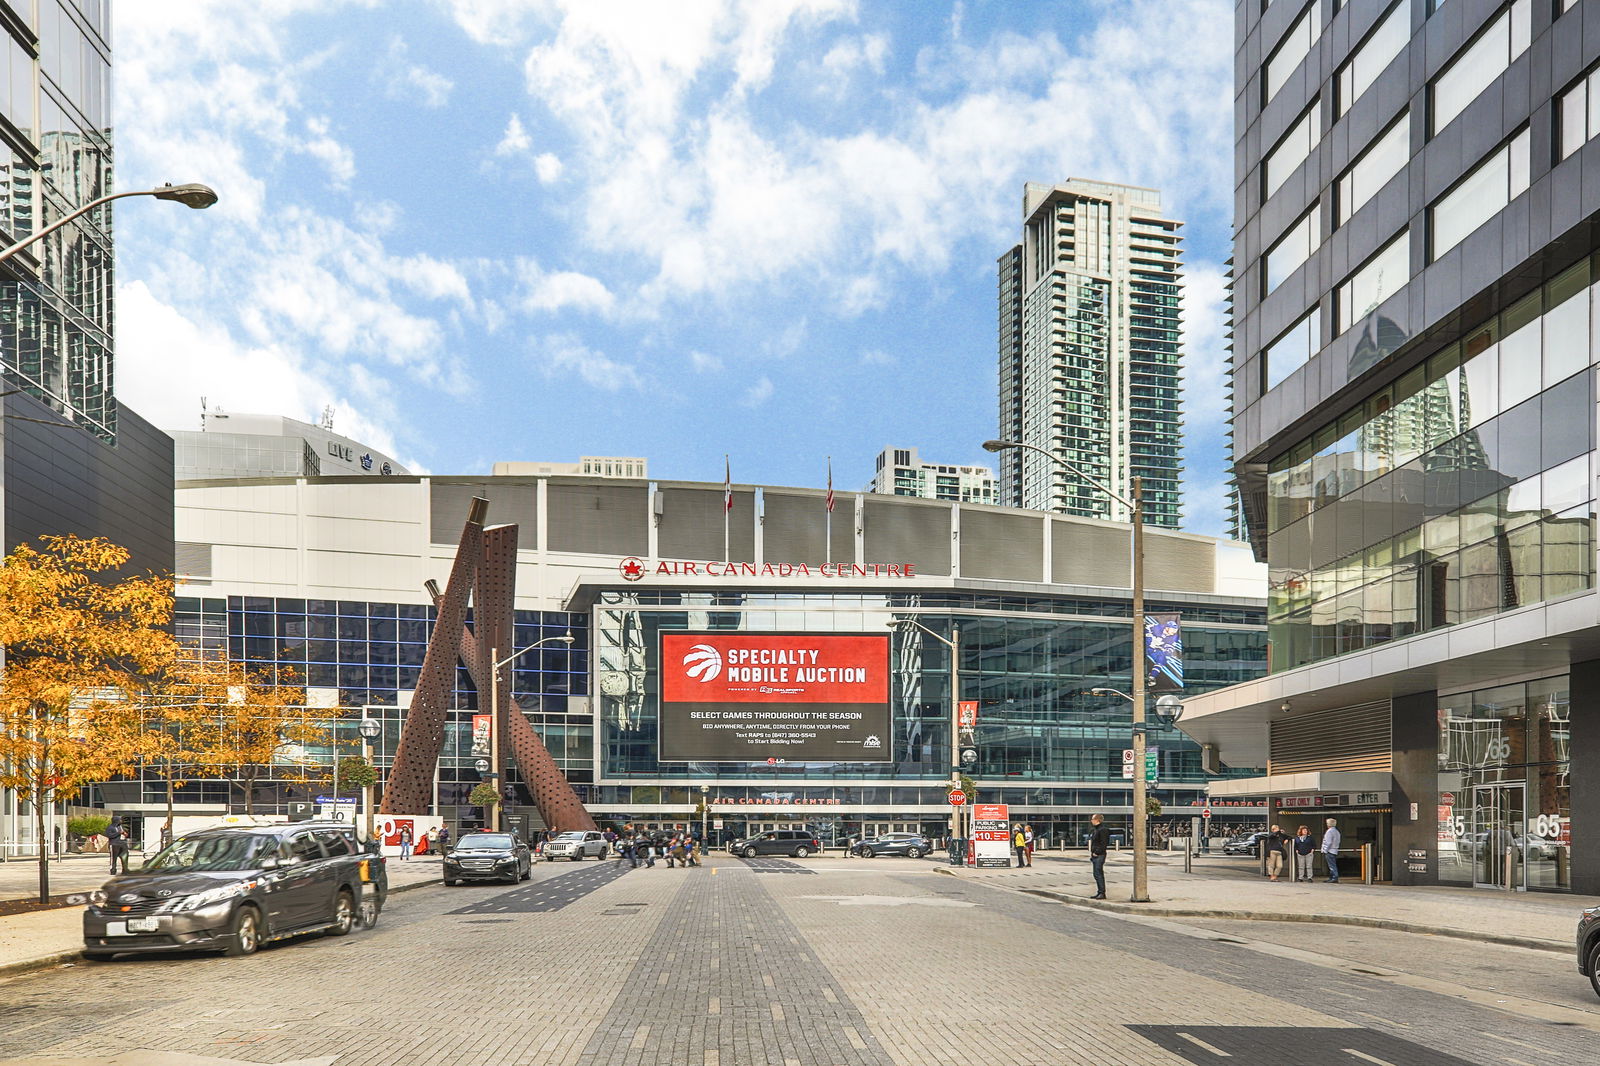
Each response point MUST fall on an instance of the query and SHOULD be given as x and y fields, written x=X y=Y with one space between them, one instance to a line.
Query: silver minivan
x=576 y=845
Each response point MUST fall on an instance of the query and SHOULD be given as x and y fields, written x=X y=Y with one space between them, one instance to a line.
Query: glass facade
x=1505 y=814
x=1042 y=740
x=1462 y=490
x=55 y=156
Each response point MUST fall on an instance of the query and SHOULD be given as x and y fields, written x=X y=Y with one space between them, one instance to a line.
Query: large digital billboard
x=751 y=697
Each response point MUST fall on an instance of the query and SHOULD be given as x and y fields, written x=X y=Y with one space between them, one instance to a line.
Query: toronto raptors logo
x=703 y=662
x=631 y=568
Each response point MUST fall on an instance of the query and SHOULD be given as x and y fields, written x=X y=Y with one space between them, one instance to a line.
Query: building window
x=1289 y=352
x=1480 y=63
x=1383 y=159
x=1578 y=115
x=1479 y=196
x=1292 y=249
x=1387 y=40
x=1290 y=52
x=1382 y=276
x=1290 y=152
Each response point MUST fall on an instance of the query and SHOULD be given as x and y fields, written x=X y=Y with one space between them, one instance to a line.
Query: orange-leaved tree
x=183 y=705
x=261 y=728
x=78 y=640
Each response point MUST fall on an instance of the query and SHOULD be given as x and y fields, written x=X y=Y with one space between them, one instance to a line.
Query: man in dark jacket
x=1099 y=844
x=117 y=836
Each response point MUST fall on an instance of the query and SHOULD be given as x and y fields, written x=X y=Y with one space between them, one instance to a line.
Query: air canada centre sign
x=751 y=697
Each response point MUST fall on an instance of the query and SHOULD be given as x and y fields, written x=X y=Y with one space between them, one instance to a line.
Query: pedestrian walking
x=432 y=839
x=1305 y=847
x=166 y=833
x=630 y=849
x=1099 y=844
x=1330 y=850
x=405 y=843
x=444 y=839
x=1275 y=841
x=58 y=842
x=611 y=844
x=650 y=844
x=1027 y=835
x=1019 y=841
x=117 y=837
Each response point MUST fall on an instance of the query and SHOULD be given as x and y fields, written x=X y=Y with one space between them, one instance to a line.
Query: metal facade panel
x=795 y=529
x=691 y=525
x=1352 y=738
x=1173 y=564
x=1084 y=554
x=512 y=500
x=192 y=559
x=1005 y=547
x=600 y=519
x=907 y=533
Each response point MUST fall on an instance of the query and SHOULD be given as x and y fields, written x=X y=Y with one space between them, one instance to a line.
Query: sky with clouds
x=490 y=230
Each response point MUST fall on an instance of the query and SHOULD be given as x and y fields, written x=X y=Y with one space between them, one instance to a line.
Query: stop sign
x=1206 y=812
x=957 y=797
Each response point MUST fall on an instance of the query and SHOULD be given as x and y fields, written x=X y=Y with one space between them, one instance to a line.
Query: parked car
x=232 y=889
x=576 y=845
x=795 y=842
x=911 y=845
x=1589 y=947
x=1248 y=844
x=488 y=857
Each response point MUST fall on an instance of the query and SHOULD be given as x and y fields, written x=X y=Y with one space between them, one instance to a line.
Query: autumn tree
x=260 y=724
x=78 y=643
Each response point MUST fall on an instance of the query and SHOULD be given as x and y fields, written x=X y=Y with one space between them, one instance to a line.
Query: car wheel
x=527 y=871
x=913 y=853
x=344 y=914
x=245 y=936
x=802 y=852
x=1594 y=961
x=867 y=853
x=99 y=956
x=577 y=857
x=450 y=882
x=749 y=852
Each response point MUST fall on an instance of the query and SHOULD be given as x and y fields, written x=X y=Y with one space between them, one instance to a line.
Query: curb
x=1559 y=947
x=44 y=962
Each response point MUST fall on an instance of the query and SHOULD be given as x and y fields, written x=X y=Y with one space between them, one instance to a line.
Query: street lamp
x=494 y=717
x=191 y=195
x=705 y=813
x=953 y=642
x=369 y=729
x=1141 y=878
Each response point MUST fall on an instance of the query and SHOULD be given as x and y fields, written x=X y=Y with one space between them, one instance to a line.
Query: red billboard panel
x=750 y=697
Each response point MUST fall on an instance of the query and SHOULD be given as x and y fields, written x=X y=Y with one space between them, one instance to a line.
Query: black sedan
x=911 y=845
x=1249 y=844
x=488 y=857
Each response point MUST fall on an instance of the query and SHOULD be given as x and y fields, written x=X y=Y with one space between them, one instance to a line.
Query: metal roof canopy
x=1316 y=781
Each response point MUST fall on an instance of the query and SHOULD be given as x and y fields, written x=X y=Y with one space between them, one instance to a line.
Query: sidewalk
x=1544 y=921
x=48 y=938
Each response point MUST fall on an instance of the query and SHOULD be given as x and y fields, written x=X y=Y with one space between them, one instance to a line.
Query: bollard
x=1510 y=867
x=1367 y=870
x=1188 y=855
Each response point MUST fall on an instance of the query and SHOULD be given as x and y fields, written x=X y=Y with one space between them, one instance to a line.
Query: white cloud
x=867 y=52
x=759 y=393
x=548 y=167
x=515 y=140
x=1205 y=359
x=563 y=355
x=319 y=145
x=877 y=357
x=562 y=289
x=405 y=80
x=703 y=363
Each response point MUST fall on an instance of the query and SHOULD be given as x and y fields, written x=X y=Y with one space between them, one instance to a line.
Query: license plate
x=143 y=925
x=116 y=929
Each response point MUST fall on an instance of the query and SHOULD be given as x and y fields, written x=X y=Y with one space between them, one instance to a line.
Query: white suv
x=575 y=845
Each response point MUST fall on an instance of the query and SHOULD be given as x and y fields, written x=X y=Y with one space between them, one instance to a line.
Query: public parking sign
x=957 y=797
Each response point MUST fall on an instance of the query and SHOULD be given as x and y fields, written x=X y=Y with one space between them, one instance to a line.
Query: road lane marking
x=1364 y=1055
x=1197 y=1042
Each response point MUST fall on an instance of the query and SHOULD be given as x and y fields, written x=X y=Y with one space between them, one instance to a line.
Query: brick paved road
x=858 y=963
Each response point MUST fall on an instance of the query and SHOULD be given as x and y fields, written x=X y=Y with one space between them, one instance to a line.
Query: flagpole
x=827 y=551
x=727 y=507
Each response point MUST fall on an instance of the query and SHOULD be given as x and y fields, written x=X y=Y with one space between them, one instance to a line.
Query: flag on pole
x=727 y=485
x=830 y=484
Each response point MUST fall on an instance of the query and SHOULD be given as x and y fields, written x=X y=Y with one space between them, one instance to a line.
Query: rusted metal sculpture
x=493 y=553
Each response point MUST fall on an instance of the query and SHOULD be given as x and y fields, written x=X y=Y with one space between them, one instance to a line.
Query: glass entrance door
x=1498 y=818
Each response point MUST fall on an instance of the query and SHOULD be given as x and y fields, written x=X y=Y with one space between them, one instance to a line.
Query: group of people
x=1022 y=843
x=681 y=847
x=1304 y=848
x=435 y=841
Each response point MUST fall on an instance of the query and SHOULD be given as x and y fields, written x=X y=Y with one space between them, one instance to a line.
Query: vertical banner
x=480 y=735
x=1163 y=649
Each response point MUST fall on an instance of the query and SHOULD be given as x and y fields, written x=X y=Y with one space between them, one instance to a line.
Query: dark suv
x=794 y=842
x=1589 y=947
x=911 y=845
x=232 y=889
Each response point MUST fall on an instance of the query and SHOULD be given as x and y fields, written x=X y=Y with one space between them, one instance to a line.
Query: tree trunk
x=41 y=805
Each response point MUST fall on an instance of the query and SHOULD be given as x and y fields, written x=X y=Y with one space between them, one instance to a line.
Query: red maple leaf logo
x=632 y=569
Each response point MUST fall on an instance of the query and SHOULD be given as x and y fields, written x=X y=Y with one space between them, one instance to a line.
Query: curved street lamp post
x=494 y=717
x=1141 y=817
x=191 y=195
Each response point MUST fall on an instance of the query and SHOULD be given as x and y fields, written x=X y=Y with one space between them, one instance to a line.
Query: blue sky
x=489 y=229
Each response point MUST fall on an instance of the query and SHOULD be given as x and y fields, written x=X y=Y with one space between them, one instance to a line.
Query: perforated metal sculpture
x=486 y=563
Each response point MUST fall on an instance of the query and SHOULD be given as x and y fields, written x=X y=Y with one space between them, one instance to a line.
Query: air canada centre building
x=762 y=677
